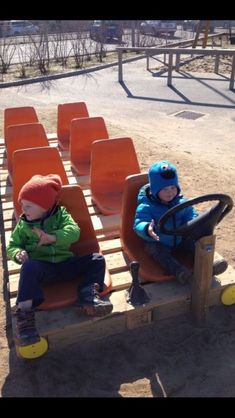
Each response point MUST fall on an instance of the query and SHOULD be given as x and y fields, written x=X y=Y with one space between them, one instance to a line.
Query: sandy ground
x=172 y=357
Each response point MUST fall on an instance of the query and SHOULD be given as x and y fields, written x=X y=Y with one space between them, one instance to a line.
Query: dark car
x=158 y=27
x=105 y=30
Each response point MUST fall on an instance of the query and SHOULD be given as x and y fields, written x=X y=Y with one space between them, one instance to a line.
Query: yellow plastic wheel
x=228 y=295
x=33 y=350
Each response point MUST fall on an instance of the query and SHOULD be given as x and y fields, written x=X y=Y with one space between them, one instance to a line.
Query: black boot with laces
x=90 y=303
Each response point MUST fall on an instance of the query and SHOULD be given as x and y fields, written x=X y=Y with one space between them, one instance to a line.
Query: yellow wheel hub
x=33 y=350
x=228 y=295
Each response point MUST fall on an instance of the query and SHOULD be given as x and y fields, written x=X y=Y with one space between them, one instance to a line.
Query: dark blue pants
x=36 y=273
x=163 y=254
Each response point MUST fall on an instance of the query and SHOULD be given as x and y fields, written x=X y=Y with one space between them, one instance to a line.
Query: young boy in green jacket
x=41 y=243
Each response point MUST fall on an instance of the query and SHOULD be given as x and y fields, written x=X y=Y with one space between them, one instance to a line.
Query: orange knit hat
x=42 y=190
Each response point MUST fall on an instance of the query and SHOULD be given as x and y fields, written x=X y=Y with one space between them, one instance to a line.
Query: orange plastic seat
x=65 y=113
x=19 y=115
x=132 y=244
x=111 y=162
x=23 y=136
x=63 y=294
x=83 y=132
x=31 y=161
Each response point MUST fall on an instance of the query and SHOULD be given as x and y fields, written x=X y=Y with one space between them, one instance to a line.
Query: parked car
x=192 y=25
x=103 y=30
x=22 y=27
x=158 y=27
x=189 y=25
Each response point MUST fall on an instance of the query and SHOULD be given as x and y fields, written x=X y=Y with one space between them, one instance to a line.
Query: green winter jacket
x=59 y=222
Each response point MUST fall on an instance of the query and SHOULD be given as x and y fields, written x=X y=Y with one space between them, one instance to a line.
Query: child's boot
x=219 y=266
x=27 y=332
x=90 y=302
x=184 y=276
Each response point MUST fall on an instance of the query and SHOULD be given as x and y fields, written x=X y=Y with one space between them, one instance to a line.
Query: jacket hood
x=162 y=174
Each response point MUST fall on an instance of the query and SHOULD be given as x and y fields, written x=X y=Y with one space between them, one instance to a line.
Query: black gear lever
x=136 y=295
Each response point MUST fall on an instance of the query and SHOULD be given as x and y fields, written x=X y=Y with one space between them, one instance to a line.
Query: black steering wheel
x=204 y=223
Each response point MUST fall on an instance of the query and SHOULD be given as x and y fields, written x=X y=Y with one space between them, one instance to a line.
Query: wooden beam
x=203 y=266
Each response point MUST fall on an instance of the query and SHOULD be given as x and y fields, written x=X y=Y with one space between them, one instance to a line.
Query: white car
x=158 y=27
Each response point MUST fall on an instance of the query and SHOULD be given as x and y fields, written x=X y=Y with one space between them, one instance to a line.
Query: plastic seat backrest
x=65 y=113
x=24 y=136
x=132 y=244
x=74 y=201
x=83 y=132
x=18 y=116
x=111 y=162
x=31 y=161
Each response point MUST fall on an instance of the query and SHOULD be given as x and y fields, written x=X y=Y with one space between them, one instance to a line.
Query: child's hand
x=151 y=231
x=22 y=256
x=44 y=238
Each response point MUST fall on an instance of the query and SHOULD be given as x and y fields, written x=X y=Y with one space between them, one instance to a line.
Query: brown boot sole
x=92 y=310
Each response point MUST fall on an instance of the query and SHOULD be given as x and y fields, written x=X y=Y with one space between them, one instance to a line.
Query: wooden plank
x=7 y=214
x=87 y=192
x=107 y=235
x=121 y=280
x=12 y=267
x=6 y=190
x=139 y=318
x=111 y=245
x=7 y=236
x=52 y=136
x=116 y=262
x=8 y=204
x=88 y=200
x=4 y=176
x=204 y=255
x=9 y=225
x=93 y=210
x=103 y=223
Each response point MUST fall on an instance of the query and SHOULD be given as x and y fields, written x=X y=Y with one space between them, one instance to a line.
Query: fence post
x=231 y=84
x=169 y=78
x=177 y=62
x=216 y=64
x=120 y=73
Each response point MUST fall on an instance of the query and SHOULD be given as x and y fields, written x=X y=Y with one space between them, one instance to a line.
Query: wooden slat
x=102 y=236
x=110 y=246
x=116 y=262
x=9 y=225
x=105 y=223
x=7 y=214
x=8 y=204
x=121 y=280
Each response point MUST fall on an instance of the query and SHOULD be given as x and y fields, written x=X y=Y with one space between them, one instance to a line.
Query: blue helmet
x=162 y=174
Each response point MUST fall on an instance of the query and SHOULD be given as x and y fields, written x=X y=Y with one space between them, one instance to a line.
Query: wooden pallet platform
x=64 y=327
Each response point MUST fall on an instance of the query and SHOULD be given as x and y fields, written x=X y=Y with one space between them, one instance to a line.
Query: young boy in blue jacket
x=155 y=199
x=41 y=243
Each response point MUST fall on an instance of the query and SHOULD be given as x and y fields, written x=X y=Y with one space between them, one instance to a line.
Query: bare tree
x=7 y=51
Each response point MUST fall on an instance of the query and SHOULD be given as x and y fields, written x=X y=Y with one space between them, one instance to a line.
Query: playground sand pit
x=171 y=357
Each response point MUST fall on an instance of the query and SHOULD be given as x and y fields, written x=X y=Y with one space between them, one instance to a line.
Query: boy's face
x=31 y=210
x=167 y=194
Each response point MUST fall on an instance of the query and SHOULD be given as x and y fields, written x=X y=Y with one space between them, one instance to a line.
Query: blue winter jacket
x=150 y=207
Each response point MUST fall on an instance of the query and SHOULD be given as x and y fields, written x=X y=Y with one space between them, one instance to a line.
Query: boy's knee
x=30 y=266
